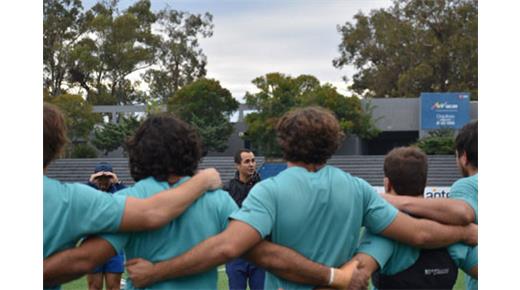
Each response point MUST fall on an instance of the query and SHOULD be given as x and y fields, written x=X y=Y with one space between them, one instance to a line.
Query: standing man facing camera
x=241 y=272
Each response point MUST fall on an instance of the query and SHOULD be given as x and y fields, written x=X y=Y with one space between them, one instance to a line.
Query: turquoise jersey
x=73 y=210
x=206 y=217
x=319 y=214
x=466 y=189
x=394 y=257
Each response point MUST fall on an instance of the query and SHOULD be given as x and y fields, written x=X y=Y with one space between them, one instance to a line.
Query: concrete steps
x=443 y=170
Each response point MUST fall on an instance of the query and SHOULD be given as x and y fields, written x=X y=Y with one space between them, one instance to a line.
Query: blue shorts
x=114 y=265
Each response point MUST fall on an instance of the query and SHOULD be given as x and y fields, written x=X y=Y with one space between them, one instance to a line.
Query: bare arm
x=443 y=210
x=71 y=264
x=158 y=210
x=288 y=264
x=424 y=233
x=473 y=272
x=231 y=243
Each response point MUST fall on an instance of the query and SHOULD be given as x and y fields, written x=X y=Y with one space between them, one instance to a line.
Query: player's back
x=319 y=214
x=206 y=217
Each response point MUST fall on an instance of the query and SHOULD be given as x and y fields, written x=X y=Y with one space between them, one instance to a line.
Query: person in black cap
x=106 y=180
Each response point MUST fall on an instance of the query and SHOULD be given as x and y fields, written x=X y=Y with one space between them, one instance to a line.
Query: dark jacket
x=239 y=190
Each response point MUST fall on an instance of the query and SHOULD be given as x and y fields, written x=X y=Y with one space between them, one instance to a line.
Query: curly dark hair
x=467 y=141
x=162 y=146
x=407 y=170
x=54 y=133
x=309 y=135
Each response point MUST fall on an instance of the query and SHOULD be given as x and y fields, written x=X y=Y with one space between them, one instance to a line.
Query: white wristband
x=331 y=277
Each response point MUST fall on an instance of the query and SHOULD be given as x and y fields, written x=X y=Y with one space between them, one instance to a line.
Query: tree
x=110 y=136
x=279 y=93
x=63 y=26
x=412 y=47
x=118 y=44
x=207 y=106
x=79 y=118
x=441 y=141
x=180 y=61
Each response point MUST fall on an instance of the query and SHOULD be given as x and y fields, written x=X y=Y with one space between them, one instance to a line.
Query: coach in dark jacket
x=239 y=271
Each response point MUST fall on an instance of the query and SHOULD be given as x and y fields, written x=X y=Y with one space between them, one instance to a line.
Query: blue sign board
x=444 y=110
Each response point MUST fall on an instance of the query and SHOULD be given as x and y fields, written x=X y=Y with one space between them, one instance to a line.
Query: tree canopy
x=208 y=106
x=100 y=49
x=412 y=47
x=279 y=93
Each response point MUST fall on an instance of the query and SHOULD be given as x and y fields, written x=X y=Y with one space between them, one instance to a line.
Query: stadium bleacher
x=442 y=168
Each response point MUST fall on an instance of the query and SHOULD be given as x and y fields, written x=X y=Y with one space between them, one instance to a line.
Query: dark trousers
x=240 y=271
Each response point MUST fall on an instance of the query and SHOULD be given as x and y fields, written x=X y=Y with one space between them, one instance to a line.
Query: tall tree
x=118 y=44
x=278 y=93
x=412 y=47
x=110 y=136
x=208 y=106
x=63 y=27
x=180 y=61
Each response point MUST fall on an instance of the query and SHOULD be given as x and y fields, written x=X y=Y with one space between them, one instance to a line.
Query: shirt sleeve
x=463 y=190
x=227 y=207
x=118 y=241
x=258 y=210
x=465 y=257
x=377 y=247
x=378 y=213
x=103 y=212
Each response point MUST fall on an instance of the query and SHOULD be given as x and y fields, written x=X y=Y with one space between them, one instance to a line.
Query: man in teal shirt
x=462 y=206
x=402 y=266
x=313 y=208
x=72 y=211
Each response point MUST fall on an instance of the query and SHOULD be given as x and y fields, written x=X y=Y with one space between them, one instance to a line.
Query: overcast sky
x=252 y=38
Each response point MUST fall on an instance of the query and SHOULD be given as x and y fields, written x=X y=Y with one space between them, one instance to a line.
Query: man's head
x=406 y=170
x=245 y=162
x=104 y=178
x=164 y=146
x=309 y=135
x=54 y=133
x=466 y=148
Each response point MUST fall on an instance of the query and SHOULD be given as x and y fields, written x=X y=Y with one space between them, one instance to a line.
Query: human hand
x=94 y=176
x=112 y=175
x=140 y=271
x=211 y=178
x=471 y=234
x=359 y=280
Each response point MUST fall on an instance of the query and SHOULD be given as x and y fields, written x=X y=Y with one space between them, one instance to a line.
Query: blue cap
x=103 y=166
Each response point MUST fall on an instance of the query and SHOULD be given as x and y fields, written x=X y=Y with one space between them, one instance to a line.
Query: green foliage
x=97 y=50
x=83 y=150
x=279 y=93
x=438 y=142
x=412 y=47
x=207 y=106
x=79 y=118
x=180 y=60
x=110 y=136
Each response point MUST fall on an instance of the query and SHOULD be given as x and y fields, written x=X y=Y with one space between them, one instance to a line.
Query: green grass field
x=81 y=284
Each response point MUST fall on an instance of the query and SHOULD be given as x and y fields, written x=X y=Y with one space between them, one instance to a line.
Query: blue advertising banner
x=444 y=110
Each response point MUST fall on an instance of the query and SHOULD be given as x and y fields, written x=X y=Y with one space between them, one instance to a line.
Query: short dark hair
x=164 y=145
x=467 y=141
x=238 y=155
x=309 y=135
x=54 y=133
x=407 y=170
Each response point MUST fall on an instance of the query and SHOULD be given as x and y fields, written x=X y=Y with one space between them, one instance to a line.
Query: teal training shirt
x=73 y=210
x=394 y=257
x=466 y=189
x=206 y=217
x=319 y=214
